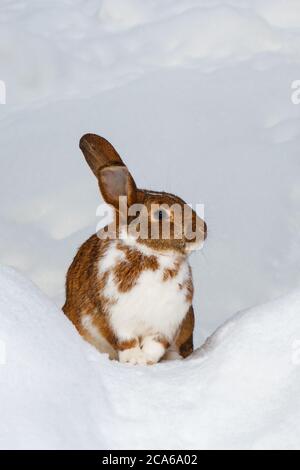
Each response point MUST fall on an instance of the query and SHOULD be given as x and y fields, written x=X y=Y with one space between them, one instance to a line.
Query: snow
x=197 y=97
x=240 y=391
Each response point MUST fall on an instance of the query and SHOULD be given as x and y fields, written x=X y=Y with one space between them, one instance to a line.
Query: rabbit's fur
x=132 y=297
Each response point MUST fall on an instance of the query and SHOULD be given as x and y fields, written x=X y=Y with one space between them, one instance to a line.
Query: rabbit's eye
x=161 y=214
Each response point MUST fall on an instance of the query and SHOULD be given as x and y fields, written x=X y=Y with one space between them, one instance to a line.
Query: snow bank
x=43 y=373
x=240 y=391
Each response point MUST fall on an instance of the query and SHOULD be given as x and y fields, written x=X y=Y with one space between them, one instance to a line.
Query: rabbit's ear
x=115 y=181
x=98 y=152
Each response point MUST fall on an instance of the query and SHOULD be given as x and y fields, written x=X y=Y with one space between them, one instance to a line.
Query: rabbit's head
x=159 y=220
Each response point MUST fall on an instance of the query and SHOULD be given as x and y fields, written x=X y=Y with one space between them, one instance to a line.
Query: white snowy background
x=196 y=96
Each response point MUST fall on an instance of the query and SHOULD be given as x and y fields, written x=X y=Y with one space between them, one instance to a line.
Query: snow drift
x=241 y=390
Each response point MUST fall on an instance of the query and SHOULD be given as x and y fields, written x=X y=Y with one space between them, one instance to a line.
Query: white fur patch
x=112 y=257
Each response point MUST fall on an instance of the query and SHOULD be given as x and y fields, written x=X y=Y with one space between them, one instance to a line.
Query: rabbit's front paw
x=133 y=356
x=150 y=352
x=153 y=349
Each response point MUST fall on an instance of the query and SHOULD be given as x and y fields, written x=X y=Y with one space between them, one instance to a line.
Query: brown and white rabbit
x=131 y=297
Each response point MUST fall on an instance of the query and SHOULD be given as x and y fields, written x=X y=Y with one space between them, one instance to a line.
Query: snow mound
x=241 y=390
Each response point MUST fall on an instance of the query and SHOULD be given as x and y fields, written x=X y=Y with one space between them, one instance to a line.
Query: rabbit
x=131 y=296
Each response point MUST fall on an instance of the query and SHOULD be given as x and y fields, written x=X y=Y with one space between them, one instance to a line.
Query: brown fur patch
x=189 y=290
x=165 y=343
x=123 y=345
x=187 y=348
x=84 y=289
x=184 y=340
x=170 y=273
x=128 y=271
